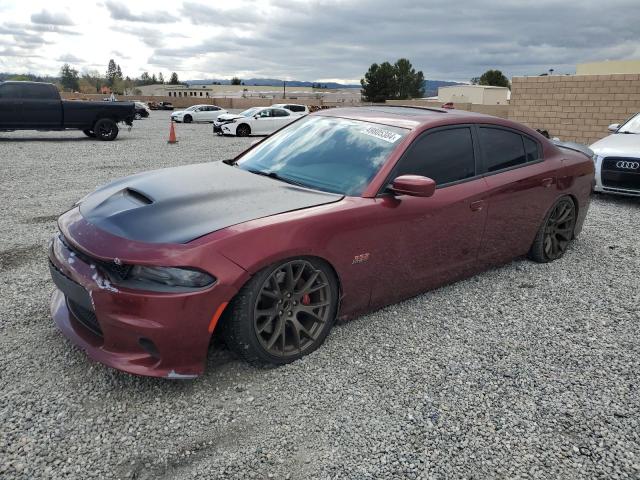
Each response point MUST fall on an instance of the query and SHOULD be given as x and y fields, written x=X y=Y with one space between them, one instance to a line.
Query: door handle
x=547 y=182
x=476 y=206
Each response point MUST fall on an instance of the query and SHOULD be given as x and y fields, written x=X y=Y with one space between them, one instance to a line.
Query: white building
x=474 y=94
x=340 y=95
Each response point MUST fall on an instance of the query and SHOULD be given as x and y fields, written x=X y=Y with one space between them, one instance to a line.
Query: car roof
x=404 y=116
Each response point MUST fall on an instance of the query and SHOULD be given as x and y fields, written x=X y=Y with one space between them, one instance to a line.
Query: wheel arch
x=281 y=259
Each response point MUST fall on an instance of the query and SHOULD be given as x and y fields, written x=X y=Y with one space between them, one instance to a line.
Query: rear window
x=10 y=90
x=501 y=148
x=40 y=92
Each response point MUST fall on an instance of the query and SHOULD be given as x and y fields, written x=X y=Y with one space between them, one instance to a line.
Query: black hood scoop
x=177 y=205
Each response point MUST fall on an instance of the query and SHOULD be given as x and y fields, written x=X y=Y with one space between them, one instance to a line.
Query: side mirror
x=614 y=127
x=414 y=186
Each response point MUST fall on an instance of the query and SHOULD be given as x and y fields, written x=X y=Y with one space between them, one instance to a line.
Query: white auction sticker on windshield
x=382 y=134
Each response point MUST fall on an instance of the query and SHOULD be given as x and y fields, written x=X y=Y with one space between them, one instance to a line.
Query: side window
x=501 y=148
x=445 y=156
x=531 y=149
x=40 y=92
x=10 y=90
x=280 y=113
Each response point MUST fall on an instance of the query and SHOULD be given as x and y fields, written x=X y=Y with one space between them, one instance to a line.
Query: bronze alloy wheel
x=292 y=308
x=558 y=231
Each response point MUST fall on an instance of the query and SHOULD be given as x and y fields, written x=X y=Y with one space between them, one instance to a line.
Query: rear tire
x=89 y=133
x=283 y=313
x=106 y=129
x=556 y=232
x=243 y=130
x=187 y=119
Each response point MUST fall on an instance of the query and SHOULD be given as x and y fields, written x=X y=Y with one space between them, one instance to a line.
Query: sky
x=315 y=40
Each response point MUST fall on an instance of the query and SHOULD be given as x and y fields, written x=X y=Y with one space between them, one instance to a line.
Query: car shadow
x=46 y=139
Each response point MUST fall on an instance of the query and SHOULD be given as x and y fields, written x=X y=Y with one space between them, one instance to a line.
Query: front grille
x=114 y=270
x=615 y=175
x=85 y=316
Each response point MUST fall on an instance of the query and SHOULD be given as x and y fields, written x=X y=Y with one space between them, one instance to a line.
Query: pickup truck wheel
x=106 y=129
x=89 y=133
x=187 y=119
x=138 y=116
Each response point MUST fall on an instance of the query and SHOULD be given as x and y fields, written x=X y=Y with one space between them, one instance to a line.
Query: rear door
x=41 y=106
x=426 y=242
x=10 y=105
x=521 y=189
x=281 y=117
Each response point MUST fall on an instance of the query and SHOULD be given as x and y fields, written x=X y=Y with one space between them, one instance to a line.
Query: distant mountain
x=431 y=86
x=272 y=82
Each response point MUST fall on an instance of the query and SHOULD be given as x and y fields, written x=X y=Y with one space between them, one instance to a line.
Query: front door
x=422 y=243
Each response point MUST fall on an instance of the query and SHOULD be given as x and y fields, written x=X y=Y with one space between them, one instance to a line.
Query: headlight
x=168 y=277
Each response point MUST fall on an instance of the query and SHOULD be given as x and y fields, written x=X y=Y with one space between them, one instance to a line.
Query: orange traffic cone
x=172 y=134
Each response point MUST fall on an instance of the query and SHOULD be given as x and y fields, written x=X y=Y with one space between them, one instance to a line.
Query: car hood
x=229 y=116
x=180 y=204
x=178 y=112
x=618 y=145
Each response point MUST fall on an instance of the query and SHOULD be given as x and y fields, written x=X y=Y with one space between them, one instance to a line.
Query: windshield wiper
x=629 y=133
x=277 y=176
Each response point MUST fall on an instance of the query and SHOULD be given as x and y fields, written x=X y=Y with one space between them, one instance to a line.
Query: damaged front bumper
x=139 y=332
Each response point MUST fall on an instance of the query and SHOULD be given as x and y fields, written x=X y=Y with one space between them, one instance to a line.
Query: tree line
x=400 y=81
x=93 y=81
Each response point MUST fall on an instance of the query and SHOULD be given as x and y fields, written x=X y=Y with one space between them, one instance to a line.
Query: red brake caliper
x=306 y=299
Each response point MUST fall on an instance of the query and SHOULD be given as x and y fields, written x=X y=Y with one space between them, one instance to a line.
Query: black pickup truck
x=37 y=106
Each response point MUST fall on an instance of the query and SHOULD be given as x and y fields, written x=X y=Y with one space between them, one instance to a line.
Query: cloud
x=48 y=18
x=120 y=11
x=69 y=58
x=200 y=14
x=310 y=40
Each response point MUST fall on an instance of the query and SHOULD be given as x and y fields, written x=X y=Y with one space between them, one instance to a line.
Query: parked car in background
x=198 y=113
x=293 y=107
x=618 y=159
x=160 y=106
x=337 y=214
x=254 y=121
x=142 y=110
x=38 y=106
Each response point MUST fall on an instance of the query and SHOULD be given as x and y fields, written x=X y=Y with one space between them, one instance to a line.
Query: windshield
x=631 y=126
x=331 y=154
x=250 y=112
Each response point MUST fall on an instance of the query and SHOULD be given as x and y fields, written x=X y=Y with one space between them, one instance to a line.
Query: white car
x=618 y=159
x=293 y=107
x=254 y=121
x=198 y=113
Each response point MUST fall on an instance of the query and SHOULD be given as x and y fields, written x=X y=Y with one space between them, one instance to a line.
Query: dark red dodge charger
x=337 y=214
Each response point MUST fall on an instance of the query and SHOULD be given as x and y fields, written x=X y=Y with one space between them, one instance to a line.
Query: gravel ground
x=525 y=371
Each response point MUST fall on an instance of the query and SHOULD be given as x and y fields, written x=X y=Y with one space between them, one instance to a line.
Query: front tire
x=283 y=313
x=89 y=133
x=243 y=130
x=188 y=119
x=106 y=129
x=556 y=232
x=138 y=116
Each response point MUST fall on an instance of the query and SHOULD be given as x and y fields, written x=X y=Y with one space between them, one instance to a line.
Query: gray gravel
x=525 y=371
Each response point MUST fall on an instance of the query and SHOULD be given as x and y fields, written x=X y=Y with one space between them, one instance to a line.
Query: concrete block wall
x=575 y=107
